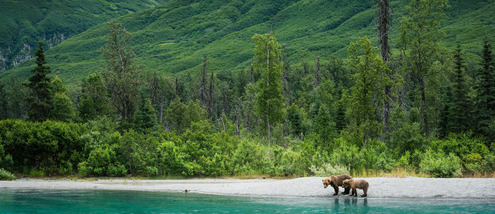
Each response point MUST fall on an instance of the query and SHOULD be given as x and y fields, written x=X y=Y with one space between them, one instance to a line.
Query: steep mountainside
x=23 y=23
x=174 y=37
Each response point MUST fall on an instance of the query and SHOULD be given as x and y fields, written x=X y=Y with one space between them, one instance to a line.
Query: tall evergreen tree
x=94 y=98
x=145 y=115
x=63 y=108
x=17 y=98
x=210 y=97
x=421 y=36
x=367 y=90
x=3 y=102
x=202 y=88
x=444 y=119
x=317 y=72
x=270 y=101
x=460 y=111
x=120 y=74
x=41 y=97
x=175 y=116
x=325 y=126
x=384 y=19
x=485 y=88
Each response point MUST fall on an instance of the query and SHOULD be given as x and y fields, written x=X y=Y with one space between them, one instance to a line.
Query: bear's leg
x=354 y=192
x=346 y=190
x=336 y=188
x=365 y=191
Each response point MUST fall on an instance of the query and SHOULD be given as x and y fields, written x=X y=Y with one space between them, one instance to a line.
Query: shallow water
x=105 y=201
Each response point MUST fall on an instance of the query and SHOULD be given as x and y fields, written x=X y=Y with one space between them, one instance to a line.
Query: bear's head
x=347 y=183
x=326 y=182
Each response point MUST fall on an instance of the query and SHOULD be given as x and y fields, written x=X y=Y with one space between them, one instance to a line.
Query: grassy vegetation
x=174 y=37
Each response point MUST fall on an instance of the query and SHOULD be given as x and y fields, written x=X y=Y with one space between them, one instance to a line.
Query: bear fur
x=335 y=182
x=357 y=184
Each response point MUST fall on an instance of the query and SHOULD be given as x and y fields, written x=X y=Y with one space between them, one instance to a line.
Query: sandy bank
x=380 y=187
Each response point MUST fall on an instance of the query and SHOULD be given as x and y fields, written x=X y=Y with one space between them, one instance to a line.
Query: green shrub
x=437 y=164
x=328 y=169
x=405 y=160
x=489 y=162
x=473 y=163
x=36 y=173
x=6 y=175
x=116 y=170
x=151 y=171
x=85 y=169
x=383 y=162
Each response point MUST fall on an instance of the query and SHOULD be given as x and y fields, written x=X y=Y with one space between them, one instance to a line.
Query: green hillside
x=174 y=37
x=23 y=23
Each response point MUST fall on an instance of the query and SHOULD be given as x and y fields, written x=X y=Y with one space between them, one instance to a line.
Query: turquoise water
x=104 y=201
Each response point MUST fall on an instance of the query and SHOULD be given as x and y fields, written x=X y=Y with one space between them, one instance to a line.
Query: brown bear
x=357 y=183
x=335 y=182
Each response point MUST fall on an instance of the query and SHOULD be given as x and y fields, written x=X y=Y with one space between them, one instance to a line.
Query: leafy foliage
x=440 y=165
x=6 y=175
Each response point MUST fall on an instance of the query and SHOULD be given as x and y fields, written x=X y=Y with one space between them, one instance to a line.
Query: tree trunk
x=268 y=86
x=424 y=111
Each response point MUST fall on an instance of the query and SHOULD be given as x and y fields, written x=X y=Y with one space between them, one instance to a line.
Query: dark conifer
x=40 y=99
x=384 y=19
x=460 y=112
x=145 y=116
x=202 y=87
x=485 y=87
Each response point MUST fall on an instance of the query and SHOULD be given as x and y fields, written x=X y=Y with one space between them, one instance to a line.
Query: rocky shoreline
x=380 y=187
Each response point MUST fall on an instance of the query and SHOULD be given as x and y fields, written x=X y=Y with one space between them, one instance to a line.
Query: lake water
x=105 y=201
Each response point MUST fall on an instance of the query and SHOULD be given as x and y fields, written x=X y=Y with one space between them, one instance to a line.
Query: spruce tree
x=384 y=20
x=460 y=111
x=367 y=90
x=325 y=126
x=175 y=116
x=420 y=35
x=444 y=120
x=41 y=97
x=94 y=99
x=3 y=102
x=63 y=108
x=120 y=74
x=145 y=116
x=269 y=99
x=202 y=88
x=485 y=88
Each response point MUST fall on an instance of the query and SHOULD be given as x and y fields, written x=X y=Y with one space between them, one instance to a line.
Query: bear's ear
x=323 y=180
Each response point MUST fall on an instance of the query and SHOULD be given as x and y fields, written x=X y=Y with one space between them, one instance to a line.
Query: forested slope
x=24 y=23
x=175 y=36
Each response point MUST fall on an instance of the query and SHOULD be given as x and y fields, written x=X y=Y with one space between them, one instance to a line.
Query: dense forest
x=418 y=109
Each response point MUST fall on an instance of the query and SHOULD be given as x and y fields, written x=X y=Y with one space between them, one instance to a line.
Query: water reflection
x=349 y=204
x=25 y=201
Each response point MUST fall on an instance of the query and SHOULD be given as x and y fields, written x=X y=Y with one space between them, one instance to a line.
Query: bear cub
x=357 y=184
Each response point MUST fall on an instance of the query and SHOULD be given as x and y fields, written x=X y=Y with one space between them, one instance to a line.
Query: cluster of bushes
x=99 y=148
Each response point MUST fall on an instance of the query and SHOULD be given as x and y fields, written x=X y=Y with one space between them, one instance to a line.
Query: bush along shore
x=98 y=148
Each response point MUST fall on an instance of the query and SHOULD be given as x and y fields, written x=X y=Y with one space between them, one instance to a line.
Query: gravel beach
x=380 y=187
